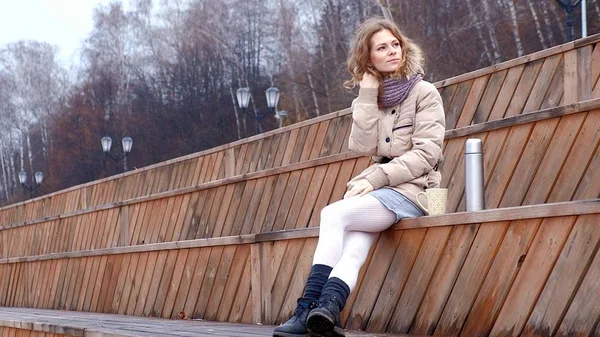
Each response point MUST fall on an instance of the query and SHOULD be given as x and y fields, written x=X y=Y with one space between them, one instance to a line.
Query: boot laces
x=328 y=301
x=303 y=308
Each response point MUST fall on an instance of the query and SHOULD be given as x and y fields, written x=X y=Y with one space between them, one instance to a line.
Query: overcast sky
x=64 y=23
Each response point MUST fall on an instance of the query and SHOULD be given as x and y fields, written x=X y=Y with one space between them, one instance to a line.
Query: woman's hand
x=361 y=187
x=369 y=81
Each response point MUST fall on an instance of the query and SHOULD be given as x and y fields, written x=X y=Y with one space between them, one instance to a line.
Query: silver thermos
x=474 y=175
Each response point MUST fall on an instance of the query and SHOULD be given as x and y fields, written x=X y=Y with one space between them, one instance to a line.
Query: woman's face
x=386 y=53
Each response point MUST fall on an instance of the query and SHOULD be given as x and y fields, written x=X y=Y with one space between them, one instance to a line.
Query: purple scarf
x=395 y=90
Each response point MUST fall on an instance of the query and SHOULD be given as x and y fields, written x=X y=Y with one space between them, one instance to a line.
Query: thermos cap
x=473 y=145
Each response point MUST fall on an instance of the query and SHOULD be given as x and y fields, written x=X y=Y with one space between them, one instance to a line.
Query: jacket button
x=393 y=111
x=387 y=139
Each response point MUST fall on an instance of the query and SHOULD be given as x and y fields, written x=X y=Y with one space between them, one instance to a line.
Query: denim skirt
x=397 y=203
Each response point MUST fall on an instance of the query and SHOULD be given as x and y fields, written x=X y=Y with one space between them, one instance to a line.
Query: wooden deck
x=23 y=322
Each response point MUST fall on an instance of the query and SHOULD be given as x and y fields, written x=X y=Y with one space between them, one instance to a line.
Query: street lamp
x=38 y=177
x=127 y=143
x=243 y=98
x=569 y=6
x=281 y=115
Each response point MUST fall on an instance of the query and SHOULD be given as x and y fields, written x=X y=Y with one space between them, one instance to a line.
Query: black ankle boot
x=325 y=320
x=296 y=325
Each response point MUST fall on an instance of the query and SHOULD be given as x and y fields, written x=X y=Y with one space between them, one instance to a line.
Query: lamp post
x=569 y=6
x=127 y=144
x=243 y=98
x=38 y=177
x=281 y=115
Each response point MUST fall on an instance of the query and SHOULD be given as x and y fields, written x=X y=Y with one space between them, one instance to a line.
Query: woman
x=398 y=119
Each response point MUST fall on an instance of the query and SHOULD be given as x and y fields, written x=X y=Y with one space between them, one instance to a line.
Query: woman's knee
x=329 y=219
x=333 y=211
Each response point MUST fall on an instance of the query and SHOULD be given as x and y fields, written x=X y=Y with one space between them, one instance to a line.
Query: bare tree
x=545 y=15
x=538 y=27
x=515 y=27
x=479 y=29
x=385 y=10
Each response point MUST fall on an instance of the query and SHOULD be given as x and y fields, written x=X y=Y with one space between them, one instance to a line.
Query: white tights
x=349 y=228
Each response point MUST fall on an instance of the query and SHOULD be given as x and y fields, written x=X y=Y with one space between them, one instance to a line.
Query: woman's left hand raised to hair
x=361 y=187
x=369 y=81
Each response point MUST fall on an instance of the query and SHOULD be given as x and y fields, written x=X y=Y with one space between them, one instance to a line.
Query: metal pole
x=583 y=18
x=570 y=21
x=125 y=162
x=257 y=118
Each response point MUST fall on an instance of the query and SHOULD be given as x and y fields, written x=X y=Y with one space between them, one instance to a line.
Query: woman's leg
x=354 y=254
x=360 y=231
x=363 y=214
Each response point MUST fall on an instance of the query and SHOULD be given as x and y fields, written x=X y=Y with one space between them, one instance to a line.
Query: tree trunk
x=324 y=73
x=515 y=26
x=491 y=32
x=538 y=27
x=13 y=174
x=287 y=19
x=29 y=155
x=333 y=40
x=314 y=93
x=479 y=28
x=361 y=11
x=547 y=23
x=235 y=111
x=597 y=8
x=232 y=94
x=3 y=164
x=22 y=153
x=45 y=140
x=556 y=13
x=385 y=10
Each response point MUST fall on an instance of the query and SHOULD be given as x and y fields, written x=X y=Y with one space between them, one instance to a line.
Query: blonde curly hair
x=360 y=51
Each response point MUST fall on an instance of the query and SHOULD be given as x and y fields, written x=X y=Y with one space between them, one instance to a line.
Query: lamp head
x=106 y=144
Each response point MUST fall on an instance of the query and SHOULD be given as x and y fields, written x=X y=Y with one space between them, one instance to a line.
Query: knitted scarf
x=395 y=90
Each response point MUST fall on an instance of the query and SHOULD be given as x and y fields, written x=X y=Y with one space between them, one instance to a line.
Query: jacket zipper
x=401 y=127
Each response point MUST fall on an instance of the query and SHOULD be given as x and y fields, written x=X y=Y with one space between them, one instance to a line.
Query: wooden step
x=501 y=272
x=72 y=323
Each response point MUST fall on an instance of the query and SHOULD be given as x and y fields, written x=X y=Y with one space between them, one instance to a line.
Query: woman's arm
x=427 y=138
x=364 y=134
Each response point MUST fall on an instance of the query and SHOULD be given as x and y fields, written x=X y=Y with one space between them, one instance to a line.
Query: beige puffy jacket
x=410 y=133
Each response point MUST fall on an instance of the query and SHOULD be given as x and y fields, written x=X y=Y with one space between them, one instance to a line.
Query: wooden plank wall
x=548 y=156
x=212 y=283
x=520 y=275
x=509 y=278
x=518 y=86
